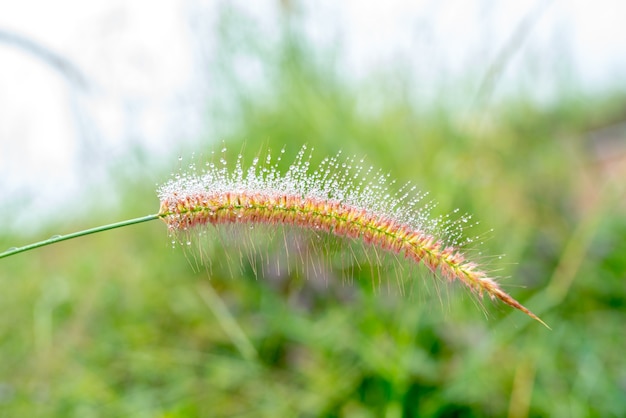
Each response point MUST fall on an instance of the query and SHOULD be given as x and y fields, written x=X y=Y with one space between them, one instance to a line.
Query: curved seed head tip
x=504 y=297
x=341 y=197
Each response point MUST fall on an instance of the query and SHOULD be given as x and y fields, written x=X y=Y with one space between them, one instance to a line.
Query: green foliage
x=116 y=324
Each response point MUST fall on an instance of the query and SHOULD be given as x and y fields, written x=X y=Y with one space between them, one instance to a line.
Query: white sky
x=145 y=87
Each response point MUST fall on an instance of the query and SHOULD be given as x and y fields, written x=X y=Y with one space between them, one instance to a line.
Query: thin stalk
x=59 y=238
x=228 y=322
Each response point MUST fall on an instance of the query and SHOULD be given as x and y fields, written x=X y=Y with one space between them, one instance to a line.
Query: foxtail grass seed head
x=341 y=197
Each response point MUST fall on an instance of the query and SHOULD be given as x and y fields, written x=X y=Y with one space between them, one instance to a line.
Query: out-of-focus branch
x=511 y=46
x=64 y=66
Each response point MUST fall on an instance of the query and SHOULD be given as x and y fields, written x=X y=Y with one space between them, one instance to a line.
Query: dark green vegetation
x=121 y=324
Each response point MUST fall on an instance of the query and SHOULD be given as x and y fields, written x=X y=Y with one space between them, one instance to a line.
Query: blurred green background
x=122 y=324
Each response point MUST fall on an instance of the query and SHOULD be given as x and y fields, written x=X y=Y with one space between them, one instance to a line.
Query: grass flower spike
x=340 y=197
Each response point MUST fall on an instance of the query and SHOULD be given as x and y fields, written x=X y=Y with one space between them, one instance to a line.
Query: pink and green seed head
x=337 y=198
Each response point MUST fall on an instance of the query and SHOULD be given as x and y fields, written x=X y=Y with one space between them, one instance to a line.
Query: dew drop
x=188 y=243
x=55 y=236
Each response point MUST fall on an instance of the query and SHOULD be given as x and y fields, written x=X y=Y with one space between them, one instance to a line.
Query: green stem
x=59 y=238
